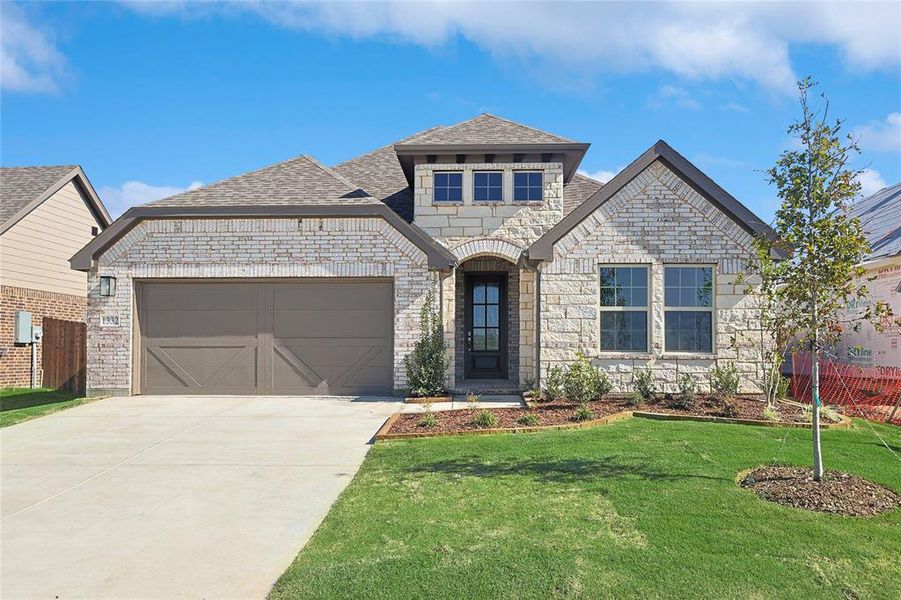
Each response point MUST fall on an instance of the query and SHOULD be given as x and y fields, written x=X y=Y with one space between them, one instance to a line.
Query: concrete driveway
x=173 y=497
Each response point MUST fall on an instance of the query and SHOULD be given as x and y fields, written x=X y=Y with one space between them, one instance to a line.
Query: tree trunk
x=815 y=401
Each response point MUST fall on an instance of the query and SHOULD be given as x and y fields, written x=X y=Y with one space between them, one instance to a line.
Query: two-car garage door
x=261 y=337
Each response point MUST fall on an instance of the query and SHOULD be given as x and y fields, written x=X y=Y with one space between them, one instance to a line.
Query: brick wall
x=657 y=219
x=15 y=362
x=249 y=248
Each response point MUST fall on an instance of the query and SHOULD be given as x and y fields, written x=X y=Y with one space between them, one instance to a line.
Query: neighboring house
x=880 y=218
x=304 y=279
x=46 y=214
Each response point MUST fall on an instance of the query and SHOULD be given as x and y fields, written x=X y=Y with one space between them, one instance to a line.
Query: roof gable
x=543 y=247
x=486 y=129
x=880 y=219
x=22 y=189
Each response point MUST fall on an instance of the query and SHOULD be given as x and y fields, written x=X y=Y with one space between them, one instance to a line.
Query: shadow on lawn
x=28 y=399
x=557 y=471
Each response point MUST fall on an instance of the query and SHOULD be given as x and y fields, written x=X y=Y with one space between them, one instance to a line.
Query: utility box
x=23 y=327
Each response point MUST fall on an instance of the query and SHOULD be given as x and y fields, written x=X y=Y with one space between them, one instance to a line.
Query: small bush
x=426 y=363
x=688 y=390
x=553 y=387
x=807 y=414
x=830 y=414
x=602 y=385
x=528 y=384
x=635 y=399
x=472 y=401
x=782 y=387
x=582 y=413
x=724 y=382
x=528 y=419
x=771 y=413
x=643 y=383
x=579 y=380
x=485 y=419
x=728 y=408
x=427 y=420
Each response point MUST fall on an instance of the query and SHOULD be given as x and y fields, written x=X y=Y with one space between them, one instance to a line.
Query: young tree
x=427 y=363
x=807 y=290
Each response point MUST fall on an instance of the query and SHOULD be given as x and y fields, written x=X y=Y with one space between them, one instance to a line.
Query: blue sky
x=151 y=98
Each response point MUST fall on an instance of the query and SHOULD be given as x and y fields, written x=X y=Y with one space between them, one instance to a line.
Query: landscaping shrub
x=485 y=419
x=771 y=413
x=582 y=413
x=528 y=419
x=427 y=420
x=553 y=387
x=688 y=390
x=807 y=414
x=643 y=383
x=426 y=363
x=782 y=387
x=580 y=381
x=472 y=401
x=724 y=382
x=635 y=399
x=830 y=414
x=602 y=385
x=728 y=407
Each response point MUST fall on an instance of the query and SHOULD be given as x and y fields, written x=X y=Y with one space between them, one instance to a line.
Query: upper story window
x=449 y=186
x=528 y=186
x=624 y=308
x=488 y=186
x=688 y=301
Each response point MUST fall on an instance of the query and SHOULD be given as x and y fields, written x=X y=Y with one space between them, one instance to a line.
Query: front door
x=486 y=326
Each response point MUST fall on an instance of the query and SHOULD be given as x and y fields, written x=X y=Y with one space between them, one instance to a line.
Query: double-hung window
x=688 y=309
x=448 y=186
x=528 y=186
x=488 y=186
x=624 y=308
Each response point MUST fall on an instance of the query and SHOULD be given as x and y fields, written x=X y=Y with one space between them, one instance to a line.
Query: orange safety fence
x=865 y=391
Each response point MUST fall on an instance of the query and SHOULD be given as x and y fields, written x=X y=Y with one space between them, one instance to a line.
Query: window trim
x=648 y=267
x=434 y=186
x=514 y=186
x=487 y=171
x=711 y=309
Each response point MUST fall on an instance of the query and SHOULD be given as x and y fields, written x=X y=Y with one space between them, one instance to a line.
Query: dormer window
x=528 y=186
x=449 y=186
x=488 y=186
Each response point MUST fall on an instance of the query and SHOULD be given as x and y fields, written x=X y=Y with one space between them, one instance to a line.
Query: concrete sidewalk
x=173 y=497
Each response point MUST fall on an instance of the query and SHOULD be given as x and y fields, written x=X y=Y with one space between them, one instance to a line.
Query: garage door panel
x=305 y=337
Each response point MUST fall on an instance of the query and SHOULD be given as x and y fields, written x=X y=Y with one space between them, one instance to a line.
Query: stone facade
x=248 y=248
x=15 y=359
x=656 y=220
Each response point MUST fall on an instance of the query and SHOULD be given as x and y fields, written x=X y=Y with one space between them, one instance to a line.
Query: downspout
x=537 y=327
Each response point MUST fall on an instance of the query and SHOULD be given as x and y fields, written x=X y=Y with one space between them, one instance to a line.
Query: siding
x=35 y=252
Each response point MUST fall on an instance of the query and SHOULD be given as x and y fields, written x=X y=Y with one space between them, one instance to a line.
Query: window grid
x=624 y=304
x=448 y=186
x=688 y=308
x=488 y=186
x=528 y=186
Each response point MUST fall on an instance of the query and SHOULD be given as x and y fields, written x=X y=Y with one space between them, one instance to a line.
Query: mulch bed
x=749 y=408
x=838 y=493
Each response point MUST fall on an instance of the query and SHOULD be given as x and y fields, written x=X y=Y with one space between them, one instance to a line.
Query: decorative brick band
x=488 y=247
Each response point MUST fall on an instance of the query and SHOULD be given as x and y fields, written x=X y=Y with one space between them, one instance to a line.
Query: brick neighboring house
x=304 y=279
x=46 y=214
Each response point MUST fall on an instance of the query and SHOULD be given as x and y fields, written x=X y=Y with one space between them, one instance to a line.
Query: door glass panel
x=478 y=294
x=478 y=316
x=478 y=339
x=492 y=316
x=493 y=295
x=493 y=340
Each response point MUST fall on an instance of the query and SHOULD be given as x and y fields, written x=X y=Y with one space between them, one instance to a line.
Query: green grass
x=22 y=404
x=635 y=509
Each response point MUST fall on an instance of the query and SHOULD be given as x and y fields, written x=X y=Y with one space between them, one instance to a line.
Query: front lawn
x=635 y=509
x=22 y=404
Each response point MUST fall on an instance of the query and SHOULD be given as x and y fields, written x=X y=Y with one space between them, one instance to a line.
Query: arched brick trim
x=488 y=247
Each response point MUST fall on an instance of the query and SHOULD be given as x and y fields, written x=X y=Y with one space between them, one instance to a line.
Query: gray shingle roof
x=880 y=218
x=485 y=129
x=379 y=173
x=578 y=191
x=299 y=181
x=21 y=185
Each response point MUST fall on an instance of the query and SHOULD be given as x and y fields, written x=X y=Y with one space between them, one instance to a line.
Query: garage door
x=251 y=337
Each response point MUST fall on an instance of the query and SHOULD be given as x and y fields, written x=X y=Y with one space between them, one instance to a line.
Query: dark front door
x=486 y=326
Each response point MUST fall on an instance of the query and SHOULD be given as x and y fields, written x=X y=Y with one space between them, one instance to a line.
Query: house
x=305 y=279
x=46 y=214
x=880 y=219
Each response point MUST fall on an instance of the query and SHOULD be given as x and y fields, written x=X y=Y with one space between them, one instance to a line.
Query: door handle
x=469 y=340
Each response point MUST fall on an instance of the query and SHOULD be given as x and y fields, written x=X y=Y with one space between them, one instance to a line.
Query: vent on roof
x=461 y=158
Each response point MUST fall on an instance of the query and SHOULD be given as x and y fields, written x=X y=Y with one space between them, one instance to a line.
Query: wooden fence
x=64 y=355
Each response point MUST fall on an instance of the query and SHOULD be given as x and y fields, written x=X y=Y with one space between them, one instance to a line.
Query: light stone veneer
x=248 y=248
x=657 y=219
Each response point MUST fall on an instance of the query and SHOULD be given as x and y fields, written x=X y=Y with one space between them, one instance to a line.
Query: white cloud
x=696 y=41
x=675 y=95
x=735 y=107
x=602 y=175
x=870 y=182
x=29 y=61
x=884 y=136
x=132 y=193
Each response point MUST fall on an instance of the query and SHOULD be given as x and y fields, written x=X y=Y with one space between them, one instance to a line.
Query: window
x=488 y=186
x=449 y=187
x=688 y=298
x=527 y=186
x=624 y=308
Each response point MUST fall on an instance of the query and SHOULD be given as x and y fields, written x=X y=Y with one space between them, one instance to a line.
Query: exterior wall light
x=107 y=285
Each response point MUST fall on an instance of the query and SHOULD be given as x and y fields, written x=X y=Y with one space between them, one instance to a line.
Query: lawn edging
x=427 y=399
x=845 y=423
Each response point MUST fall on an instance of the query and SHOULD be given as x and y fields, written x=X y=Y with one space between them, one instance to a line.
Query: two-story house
x=304 y=279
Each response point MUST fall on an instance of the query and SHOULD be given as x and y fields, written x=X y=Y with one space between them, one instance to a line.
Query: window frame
x=646 y=309
x=711 y=309
x=435 y=186
x=475 y=173
x=540 y=187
